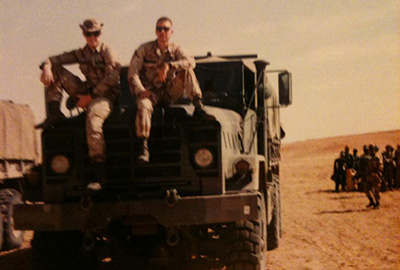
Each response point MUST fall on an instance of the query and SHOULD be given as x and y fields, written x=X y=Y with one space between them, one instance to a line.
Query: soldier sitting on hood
x=98 y=94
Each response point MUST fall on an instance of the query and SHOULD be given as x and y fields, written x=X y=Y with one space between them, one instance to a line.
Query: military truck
x=18 y=155
x=209 y=193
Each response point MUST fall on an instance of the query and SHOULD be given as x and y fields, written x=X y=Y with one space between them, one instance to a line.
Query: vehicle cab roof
x=246 y=60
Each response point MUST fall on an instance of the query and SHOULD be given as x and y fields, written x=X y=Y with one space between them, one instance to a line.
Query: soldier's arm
x=335 y=167
x=184 y=60
x=112 y=69
x=63 y=59
x=380 y=165
x=134 y=71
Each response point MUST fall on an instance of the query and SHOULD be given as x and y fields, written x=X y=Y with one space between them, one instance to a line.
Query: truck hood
x=228 y=119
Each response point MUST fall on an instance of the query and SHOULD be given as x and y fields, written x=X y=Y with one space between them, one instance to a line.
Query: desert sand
x=321 y=229
x=327 y=230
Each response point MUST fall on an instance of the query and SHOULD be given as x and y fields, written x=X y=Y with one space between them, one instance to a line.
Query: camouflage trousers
x=97 y=111
x=373 y=187
x=185 y=83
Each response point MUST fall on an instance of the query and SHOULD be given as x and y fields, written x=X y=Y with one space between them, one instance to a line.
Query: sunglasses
x=89 y=34
x=160 y=28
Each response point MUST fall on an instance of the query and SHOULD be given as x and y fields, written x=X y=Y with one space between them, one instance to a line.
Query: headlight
x=203 y=157
x=60 y=164
x=242 y=166
x=33 y=176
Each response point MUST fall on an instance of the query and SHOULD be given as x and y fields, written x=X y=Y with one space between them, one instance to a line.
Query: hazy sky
x=344 y=54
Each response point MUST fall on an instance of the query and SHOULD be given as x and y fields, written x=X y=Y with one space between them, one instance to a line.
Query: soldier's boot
x=99 y=178
x=376 y=206
x=54 y=116
x=144 y=155
x=199 y=112
x=371 y=203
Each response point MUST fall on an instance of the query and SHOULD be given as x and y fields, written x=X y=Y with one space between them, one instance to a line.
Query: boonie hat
x=91 y=25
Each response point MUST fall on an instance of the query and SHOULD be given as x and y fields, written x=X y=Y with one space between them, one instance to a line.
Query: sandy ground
x=327 y=230
x=321 y=229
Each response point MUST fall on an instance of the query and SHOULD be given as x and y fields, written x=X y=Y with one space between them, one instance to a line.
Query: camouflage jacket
x=146 y=61
x=100 y=67
x=374 y=168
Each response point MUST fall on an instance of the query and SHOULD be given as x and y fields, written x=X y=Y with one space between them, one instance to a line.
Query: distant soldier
x=389 y=166
x=356 y=159
x=374 y=179
x=351 y=183
x=362 y=168
x=351 y=172
x=339 y=172
x=348 y=157
x=397 y=161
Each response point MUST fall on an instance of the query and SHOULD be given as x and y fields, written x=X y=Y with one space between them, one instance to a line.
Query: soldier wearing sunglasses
x=98 y=94
x=162 y=72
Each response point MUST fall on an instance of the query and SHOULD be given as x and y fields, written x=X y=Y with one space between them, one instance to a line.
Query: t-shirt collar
x=97 y=49
x=157 y=49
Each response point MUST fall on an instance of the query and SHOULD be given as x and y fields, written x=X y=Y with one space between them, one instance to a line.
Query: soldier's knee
x=99 y=108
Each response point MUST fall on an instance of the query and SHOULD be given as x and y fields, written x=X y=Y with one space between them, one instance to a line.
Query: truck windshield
x=222 y=84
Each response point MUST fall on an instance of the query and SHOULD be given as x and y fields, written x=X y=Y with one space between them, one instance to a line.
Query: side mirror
x=285 y=88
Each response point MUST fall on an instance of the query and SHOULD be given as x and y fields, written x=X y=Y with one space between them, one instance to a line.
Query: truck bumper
x=186 y=211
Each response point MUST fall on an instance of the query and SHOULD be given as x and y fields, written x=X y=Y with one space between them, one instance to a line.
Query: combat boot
x=98 y=178
x=54 y=116
x=371 y=203
x=199 y=112
x=144 y=155
x=376 y=206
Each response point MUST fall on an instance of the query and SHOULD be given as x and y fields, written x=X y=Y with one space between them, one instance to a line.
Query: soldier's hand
x=47 y=76
x=162 y=74
x=84 y=100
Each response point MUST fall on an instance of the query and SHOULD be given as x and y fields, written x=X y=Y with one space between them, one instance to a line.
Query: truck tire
x=61 y=250
x=246 y=249
x=11 y=237
x=274 y=232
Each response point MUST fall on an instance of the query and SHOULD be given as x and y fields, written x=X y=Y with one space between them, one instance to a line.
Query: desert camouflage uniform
x=143 y=75
x=397 y=172
x=101 y=68
x=389 y=168
x=362 y=170
x=374 y=179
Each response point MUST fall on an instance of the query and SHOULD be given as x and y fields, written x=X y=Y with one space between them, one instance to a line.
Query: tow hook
x=172 y=197
x=86 y=203
x=173 y=236
x=88 y=240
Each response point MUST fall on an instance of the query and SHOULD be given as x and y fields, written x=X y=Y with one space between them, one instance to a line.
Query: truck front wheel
x=11 y=237
x=61 y=250
x=246 y=248
x=274 y=227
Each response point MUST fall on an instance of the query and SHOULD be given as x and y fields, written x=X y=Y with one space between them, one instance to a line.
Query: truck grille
x=166 y=155
x=171 y=147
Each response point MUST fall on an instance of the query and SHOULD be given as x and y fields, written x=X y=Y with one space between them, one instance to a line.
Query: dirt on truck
x=209 y=194
x=19 y=153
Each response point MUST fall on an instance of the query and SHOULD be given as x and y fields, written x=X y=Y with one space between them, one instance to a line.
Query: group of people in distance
x=160 y=72
x=371 y=172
